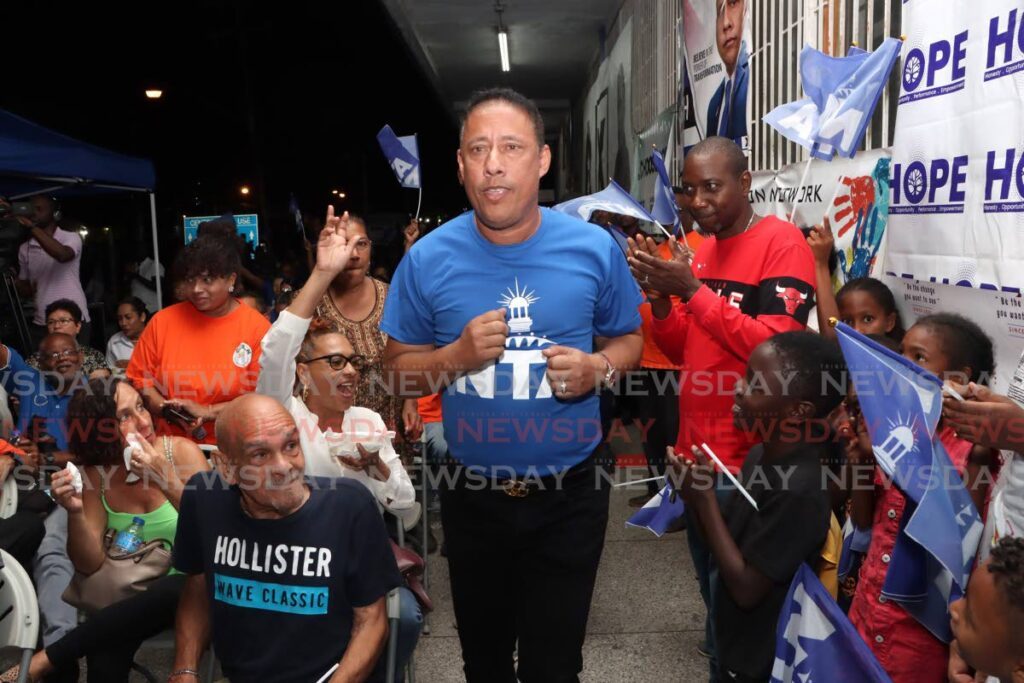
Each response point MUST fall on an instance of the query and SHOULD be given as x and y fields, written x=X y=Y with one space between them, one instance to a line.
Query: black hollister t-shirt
x=788 y=528
x=282 y=591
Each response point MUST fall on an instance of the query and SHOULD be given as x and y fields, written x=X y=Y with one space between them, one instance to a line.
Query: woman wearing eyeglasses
x=198 y=355
x=354 y=302
x=65 y=316
x=312 y=368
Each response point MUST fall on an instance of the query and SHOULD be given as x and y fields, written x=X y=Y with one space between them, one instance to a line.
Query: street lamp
x=154 y=93
x=244 y=190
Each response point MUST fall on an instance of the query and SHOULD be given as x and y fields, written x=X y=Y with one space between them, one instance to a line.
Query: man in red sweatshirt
x=750 y=279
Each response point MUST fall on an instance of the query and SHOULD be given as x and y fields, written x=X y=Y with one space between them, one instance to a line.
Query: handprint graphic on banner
x=862 y=205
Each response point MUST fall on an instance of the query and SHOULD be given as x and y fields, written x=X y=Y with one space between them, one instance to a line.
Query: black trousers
x=109 y=639
x=656 y=404
x=21 y=534
x=522 y=574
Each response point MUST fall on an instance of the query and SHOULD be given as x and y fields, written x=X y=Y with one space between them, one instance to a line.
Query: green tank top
x=161 y=523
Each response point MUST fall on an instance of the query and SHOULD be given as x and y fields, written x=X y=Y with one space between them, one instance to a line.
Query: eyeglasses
x=59 y=355
x=60 y=321
x=338 y=361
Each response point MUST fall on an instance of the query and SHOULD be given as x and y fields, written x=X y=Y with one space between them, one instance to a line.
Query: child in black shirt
x=793 y=381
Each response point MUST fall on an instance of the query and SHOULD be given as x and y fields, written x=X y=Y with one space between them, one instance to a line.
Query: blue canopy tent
x=35 y=160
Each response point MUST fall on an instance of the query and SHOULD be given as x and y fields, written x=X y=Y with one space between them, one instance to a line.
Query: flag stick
x=799 y=187
x=727 y=473
x=419 y=203
x=638 y=481
x=327 y=675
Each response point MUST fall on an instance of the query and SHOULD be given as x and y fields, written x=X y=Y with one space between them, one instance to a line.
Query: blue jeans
x=410 y=623
x=703 y=564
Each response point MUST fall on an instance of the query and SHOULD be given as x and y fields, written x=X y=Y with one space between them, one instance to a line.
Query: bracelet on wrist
x=183 y=672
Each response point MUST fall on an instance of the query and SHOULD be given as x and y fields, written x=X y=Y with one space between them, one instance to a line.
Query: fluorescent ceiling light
x=503 y=48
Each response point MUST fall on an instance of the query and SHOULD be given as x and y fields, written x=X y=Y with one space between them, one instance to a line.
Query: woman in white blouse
x=322 y=363
x=131 y=318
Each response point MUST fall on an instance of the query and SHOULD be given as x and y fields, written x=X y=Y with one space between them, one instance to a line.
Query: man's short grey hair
x=508 y=96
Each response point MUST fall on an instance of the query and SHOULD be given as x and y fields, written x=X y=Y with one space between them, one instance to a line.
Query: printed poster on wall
x=717 y=46
x=659 y=136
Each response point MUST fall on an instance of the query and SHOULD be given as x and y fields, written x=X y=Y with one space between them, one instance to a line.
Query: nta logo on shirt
x=520 y=372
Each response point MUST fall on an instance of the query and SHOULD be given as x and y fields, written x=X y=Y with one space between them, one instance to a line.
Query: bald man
x=290 y=572
x=748 y=280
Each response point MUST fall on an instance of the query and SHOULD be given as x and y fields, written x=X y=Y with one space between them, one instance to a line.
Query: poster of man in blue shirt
x=518 y=315
x=717 y=57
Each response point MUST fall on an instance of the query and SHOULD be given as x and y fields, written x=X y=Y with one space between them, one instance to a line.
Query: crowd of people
x=264 y=462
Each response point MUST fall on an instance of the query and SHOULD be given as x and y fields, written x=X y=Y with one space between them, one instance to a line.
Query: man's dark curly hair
x=1007 y=565
x=209 y=254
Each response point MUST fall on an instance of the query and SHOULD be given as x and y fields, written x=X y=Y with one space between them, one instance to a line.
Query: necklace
x=750 y=222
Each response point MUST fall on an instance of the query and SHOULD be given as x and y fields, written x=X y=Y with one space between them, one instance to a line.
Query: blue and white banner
x=659 y=512
x=958 y=157
x=941 y=527
x=403 y=156
x=612 y=198
x=815 y=641
x=841 y=96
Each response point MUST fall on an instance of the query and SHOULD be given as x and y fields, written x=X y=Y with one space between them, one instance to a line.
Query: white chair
x=8 y=498
x=19 y=612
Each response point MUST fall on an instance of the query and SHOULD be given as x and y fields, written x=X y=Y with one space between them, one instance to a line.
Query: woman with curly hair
x=315 y=357
x=196 y=356
x=112 y=495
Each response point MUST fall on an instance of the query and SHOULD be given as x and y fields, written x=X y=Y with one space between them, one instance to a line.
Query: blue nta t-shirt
x=565 y=285
x=282 y=591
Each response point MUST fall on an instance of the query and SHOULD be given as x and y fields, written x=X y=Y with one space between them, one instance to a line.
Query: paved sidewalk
x=645 y=622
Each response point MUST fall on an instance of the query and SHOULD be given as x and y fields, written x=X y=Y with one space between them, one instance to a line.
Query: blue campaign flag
x=403 y=156
x=612 y=198
x=841 y=96
x=659 y=512
x=934 y=553
x=815 y=641
x=902 y=404
x=940 y=528
x=665 y=210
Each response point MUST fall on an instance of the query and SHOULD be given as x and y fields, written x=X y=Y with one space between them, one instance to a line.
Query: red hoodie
x=756 y=285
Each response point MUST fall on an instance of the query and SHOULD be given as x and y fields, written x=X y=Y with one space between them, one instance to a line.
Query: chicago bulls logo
x=791 y=296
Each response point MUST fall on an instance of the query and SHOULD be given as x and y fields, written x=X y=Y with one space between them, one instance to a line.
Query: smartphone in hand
x=184 y=419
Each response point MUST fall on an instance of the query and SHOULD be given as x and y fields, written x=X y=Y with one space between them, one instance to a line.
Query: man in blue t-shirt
x=519 y=314
x=290 y=574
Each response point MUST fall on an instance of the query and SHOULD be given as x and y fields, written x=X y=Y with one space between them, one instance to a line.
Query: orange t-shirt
x=430 y=408
x=653 y=356
x=185 y=354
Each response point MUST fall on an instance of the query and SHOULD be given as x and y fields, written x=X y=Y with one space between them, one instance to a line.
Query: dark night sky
x=323 y=78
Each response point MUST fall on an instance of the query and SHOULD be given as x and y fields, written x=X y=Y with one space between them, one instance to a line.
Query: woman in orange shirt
x=196 y=356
